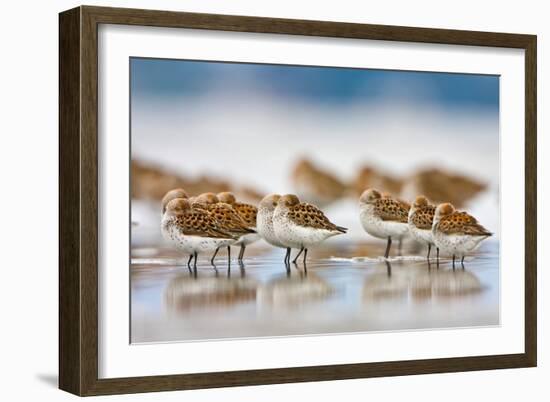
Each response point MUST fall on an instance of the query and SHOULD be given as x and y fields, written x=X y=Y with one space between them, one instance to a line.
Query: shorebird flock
x=208 y=222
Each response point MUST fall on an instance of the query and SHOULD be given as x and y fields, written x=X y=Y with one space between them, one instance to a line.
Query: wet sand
x=332 y=294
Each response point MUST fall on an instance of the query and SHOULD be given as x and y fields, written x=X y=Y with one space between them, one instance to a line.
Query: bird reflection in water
x=293 y=290
x=229 y=270
x=419 y=283
x=384 y=283
x=187 y=292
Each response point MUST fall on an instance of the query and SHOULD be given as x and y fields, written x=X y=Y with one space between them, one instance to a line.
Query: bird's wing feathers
x=423 y=217
x=247 y=213
x=228 y=219
x=308 y=215
x=462 y=223
x=199 y=223
x=391 y=210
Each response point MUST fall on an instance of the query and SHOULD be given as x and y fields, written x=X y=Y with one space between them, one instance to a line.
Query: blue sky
x=180 y=78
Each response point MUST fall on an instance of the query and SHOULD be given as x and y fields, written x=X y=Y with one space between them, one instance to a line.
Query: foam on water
x=379 y=259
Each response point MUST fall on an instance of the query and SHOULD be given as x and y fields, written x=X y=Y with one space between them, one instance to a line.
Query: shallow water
x=353 y=292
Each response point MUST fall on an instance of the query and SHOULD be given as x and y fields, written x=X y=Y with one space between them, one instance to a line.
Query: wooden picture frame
x=78 y=197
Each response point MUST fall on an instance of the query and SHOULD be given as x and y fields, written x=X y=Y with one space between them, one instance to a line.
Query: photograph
x=274 y=200
x=250 y=199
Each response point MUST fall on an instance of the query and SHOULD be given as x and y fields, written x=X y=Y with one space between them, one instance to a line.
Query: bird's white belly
x=284 y=233
x=296 y=236
x=265 y=229
x=247 y=239
x=376 y=227
x=225 y=242
x=458 y=245
x=191 y=244
x=202 y=244
x=421 y=235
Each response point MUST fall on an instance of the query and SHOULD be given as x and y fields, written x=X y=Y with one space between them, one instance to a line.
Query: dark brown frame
x=78 y=189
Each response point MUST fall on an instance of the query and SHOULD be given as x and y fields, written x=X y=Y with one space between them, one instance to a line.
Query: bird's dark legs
x=297 y=255
x=305 y=258
x=387 y=253
x=453 y=261
x=399 y=247
x=287 y=256
x=228 y=262
x=429 y=249
x=287 y=261
x=195 y=263
x=437 y=254
x=241 y=253
x=214 y=256
x=462 y=262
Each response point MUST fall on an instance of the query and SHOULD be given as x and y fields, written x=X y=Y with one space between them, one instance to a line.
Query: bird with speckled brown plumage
x=457 y=233
x=264 y=221
x=421 y=216
x=301 y=225
x=192 y=231
x=384 y=218
x=248 y=214
x=226 y=217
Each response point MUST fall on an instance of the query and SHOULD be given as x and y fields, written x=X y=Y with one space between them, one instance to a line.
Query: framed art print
x=251 y=200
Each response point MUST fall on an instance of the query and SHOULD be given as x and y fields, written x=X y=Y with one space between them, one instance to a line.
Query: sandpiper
x=193 y=231
x=248 y=214
x=264 y=222
x=301 y=225
x=315 y=184
x=421 y=216
x=407 y=207
x=456 y=233
x=172 y=195
x=383 y=217
x=442 y=186
x=226 y=217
